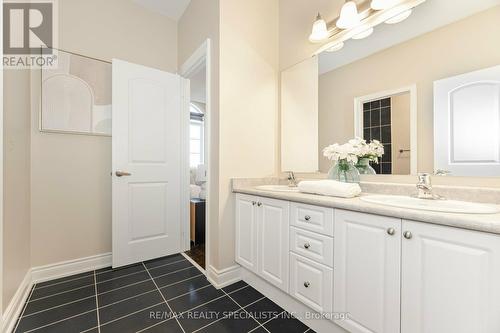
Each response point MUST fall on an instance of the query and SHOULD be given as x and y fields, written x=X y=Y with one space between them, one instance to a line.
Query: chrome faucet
x=292 y=181
x=424 y=187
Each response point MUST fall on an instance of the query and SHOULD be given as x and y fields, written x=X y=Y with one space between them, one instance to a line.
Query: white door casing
x=450 y=280
x=146 y=143
x=367 y=253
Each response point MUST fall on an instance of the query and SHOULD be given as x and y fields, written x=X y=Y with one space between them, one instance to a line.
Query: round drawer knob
x=307 y=245
x=306 y=284
x=307 y=217
x=391 y=231
x=259 y=204
x=408 y=235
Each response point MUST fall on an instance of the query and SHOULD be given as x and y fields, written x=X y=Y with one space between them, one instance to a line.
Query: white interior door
x=146 y=145
x=467 y=123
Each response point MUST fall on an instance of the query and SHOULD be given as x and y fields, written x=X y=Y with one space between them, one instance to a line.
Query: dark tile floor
x=163 y=295
x=197 y=253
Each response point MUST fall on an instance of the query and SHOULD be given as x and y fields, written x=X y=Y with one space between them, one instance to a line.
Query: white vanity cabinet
x=262 y=236
x=367 y=272
x=450 y=280
x=388 y=275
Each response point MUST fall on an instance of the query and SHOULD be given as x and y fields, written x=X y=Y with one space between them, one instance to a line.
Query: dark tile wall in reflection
x=377 y=126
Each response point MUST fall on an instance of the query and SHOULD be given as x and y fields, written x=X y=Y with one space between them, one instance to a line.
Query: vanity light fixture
x=399 y=17
x=349 y=17
x=357 y=20
x=319 y=30
x=363 y=34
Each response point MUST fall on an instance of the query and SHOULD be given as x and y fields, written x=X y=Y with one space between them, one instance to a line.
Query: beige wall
x=199 y=22
x=71 y=184
x=400 y=130
x=248 y=105
x=463 y=46
x=16 y=223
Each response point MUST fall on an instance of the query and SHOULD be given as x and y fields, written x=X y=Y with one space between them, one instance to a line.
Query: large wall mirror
x=428 y=89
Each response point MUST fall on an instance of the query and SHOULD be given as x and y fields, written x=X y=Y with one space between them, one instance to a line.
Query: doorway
x=197 y=70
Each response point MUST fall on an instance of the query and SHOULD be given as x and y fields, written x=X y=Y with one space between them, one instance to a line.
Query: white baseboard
x=70 y=267
x=46 y=273
x=288 y=303
x=16 y=305
x=224 y=277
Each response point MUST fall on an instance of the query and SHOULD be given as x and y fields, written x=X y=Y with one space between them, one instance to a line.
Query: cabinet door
x=367 y=253
x=273 y=216
x=246 y=231
x=450 y=280
x=311 y=283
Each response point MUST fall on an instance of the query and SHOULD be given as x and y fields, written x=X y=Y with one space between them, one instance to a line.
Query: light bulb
x=335 y=47
x=349 y=17
x=382 y=4
x=399 y=18
x=319 y=30
x=363 y=34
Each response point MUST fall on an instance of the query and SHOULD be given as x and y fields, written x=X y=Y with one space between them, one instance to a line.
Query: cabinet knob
x=307 y=217
x=253 y=203
x=259 y=204
x=306 y=284
x=307 y=245
x=408 y=235
x=391 y=231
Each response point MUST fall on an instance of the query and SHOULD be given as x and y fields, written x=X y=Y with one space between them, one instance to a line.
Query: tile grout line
x=97 y=304
x=232 y=312
x=59 y=321
x=113 y=303
x=24 y=309
x=89 y=285
x=161 y=294
x=130 y=314
x=57 y=306
x=65 y=281
x=258 y=323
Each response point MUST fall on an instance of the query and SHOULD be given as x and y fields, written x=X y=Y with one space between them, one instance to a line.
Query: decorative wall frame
x=76 y=96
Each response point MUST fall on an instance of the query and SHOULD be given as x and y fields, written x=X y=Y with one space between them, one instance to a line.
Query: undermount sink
x=445 y=206
x=277 y=188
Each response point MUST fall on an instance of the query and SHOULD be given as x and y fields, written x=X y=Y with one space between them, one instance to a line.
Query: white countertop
x=479 y=222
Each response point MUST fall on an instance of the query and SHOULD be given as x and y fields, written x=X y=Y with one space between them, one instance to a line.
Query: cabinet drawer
x=311 y=283
x=312 y=245
x=313 y=218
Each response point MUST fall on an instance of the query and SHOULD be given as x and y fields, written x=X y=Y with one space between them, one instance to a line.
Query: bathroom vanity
x=389 y=269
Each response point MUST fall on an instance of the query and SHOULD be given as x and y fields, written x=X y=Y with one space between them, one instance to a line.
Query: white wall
x=249 y=64
x=70 y=174
x=16 y=217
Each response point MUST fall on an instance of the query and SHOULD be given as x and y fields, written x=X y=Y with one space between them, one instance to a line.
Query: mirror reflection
x=426 y=91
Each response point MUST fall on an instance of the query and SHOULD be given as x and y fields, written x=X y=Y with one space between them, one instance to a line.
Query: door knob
x=391 y=231
x=122 y=174
x=408 y=235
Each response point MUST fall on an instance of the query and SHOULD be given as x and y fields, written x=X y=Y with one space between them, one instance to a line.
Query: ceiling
x=171 y=8
x=427 y=17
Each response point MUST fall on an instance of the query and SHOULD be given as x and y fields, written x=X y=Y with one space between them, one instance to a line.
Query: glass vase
x=344 y=171
x=364 y=167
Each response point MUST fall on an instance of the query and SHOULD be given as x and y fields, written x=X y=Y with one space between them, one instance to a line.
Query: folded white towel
x=330 y=187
